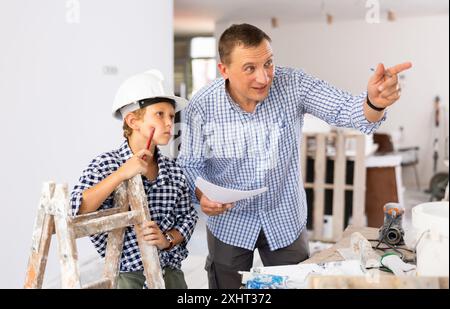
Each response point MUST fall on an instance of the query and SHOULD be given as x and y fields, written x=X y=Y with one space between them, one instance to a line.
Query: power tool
x=392 y=230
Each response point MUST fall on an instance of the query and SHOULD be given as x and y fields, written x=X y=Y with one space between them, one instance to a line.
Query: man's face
x=250 y=73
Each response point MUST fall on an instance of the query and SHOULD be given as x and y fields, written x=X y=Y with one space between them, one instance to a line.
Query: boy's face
x=159 y=116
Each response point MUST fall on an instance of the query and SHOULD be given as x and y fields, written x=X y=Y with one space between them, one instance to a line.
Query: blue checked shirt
x=235 y=149
x=168 y=200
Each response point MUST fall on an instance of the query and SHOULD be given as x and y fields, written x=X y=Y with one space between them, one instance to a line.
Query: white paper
x=224 y=195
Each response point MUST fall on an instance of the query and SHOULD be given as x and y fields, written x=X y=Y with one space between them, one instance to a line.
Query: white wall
x=56 y=102
x=343 y=52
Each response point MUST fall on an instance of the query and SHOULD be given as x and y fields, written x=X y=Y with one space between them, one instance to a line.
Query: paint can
x=432 y=235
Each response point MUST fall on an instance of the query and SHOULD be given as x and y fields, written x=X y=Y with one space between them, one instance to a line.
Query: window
x=203 y=62
x=195 y=63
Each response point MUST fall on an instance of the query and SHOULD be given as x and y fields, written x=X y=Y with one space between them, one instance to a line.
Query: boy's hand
x=211 y=208
x=135 y=165
x=153 y=235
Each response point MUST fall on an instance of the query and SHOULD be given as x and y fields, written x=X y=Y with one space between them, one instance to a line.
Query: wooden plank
x=319 y=190
x=375 y=282
x=359 y=182
x=114 y=246
x=339 y=187
x=443 y=282
x=350 y=157
x=106 y=224
x=42 y=234
x=304 y=156
x=149 y=253
x=104 y=283
x=310 y=185
x=68 y=257
x=96 y=214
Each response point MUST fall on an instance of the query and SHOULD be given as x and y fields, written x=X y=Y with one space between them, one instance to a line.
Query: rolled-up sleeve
x=337 y=107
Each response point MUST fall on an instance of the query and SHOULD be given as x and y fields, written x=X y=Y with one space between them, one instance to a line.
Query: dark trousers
x=224 y=261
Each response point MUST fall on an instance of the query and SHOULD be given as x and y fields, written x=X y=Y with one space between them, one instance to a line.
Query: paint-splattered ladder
x=54 y=217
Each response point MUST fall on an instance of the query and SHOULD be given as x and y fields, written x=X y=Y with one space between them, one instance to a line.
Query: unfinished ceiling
x=200 y=16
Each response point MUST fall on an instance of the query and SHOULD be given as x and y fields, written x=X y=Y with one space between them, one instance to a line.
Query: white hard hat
x=139 y=87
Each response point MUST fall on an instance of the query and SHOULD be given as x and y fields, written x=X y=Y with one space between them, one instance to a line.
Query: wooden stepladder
x=54 y=217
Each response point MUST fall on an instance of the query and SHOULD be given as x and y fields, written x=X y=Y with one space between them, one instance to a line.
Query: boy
x=143 y=104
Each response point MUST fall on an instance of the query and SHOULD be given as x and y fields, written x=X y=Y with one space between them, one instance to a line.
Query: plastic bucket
x=431 y=223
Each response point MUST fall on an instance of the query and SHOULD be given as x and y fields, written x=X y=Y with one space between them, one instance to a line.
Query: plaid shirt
x=245 y=151
x=168 y=200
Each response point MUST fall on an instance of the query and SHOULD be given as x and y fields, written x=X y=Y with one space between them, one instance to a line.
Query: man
x=243 y=132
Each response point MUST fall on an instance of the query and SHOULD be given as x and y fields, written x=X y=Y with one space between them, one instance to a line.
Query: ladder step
x=96 y=214
x=104 y=224
x=99 y=284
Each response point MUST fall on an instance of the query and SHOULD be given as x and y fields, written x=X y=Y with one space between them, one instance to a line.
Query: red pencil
x=150 y=137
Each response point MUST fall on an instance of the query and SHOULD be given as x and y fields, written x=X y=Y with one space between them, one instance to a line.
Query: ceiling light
x=274 y=22
x=391 y=15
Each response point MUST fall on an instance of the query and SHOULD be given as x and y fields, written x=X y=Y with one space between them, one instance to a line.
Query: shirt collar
x=234 y=105
x=230 y=101
x=163 y=174
x=125 y=151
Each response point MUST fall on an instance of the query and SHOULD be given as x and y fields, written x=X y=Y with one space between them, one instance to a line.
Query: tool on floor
x=54 y=217
x=149 y=142
x=392 y=231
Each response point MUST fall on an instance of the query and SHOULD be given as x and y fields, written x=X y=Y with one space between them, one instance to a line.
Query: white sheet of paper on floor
x=224 y=195
x=298 y=274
